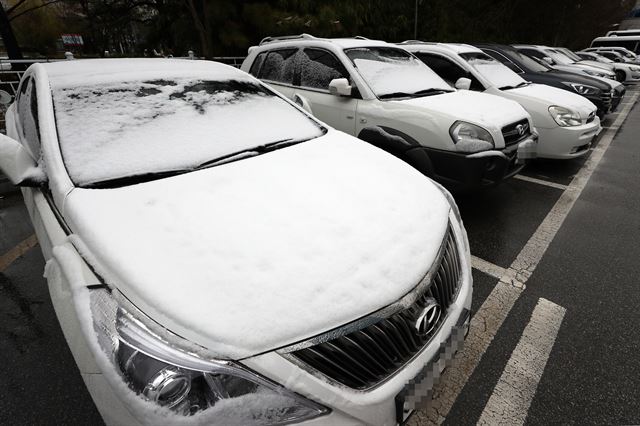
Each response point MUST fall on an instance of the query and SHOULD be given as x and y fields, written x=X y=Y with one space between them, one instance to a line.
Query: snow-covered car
x=561 y=62
x=627 y=54
x=625 y=72
x=566 y=122
x=384 y=95
x=216 y=255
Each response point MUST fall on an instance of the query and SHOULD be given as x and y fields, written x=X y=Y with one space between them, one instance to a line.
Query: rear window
x=122 y=129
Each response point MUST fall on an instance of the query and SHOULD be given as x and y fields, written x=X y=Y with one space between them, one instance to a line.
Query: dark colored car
x=599 y=92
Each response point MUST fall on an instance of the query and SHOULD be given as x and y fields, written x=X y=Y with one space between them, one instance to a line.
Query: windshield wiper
x=249 y=152
x=419 y=93
x=133 y=179
x=523 y=84
x=235 y=156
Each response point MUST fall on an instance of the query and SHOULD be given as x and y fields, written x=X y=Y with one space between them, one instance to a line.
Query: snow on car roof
x=344 y=43
x=454 y=47
x=93 y=71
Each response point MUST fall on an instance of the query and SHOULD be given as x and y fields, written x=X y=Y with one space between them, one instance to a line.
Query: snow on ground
x=263 y=252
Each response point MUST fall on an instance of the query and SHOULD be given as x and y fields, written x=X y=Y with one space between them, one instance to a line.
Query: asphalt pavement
x=575 y=222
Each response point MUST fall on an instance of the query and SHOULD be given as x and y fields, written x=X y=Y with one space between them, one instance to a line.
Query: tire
x=621 y=76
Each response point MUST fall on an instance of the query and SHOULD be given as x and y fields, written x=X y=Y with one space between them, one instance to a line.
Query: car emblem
x=428 y=318
x=520 y=128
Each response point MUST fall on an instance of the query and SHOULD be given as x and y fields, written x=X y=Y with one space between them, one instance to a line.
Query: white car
x=625 y=72
x=215 y=255
x=560 y=62
x=627 y=54
x=566 y=122
x=385 y=96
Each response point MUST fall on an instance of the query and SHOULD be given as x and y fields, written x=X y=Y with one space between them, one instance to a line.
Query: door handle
x=363 y=120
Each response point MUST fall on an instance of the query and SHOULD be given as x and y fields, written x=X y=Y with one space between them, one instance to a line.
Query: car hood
x=557 y=97
x=257 y=254
x=596 y=64
x=572 y=77
x=478 y=108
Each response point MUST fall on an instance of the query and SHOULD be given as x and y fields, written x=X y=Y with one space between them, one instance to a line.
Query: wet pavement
x=590 y=269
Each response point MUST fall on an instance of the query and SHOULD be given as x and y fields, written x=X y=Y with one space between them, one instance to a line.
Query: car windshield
x=559 y=57
x=568 y=53
x=603 y=59
x=493 y=70
x=529 y=63
x=119 y=130
x=393 y=73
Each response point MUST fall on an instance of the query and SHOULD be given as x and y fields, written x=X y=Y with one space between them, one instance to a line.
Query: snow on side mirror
x=5 y=98
x=463 y=84
x=340 y=87
x=17 y=163
x=548 y=60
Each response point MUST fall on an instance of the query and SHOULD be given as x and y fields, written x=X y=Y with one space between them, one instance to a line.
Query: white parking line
x=487 y=267
x=489 y=318
x=511 y=398
x=541 y=182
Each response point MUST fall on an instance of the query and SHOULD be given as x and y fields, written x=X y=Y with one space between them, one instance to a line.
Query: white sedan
x=215 y=255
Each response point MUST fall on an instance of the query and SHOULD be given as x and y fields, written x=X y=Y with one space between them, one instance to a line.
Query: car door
x=317 y=68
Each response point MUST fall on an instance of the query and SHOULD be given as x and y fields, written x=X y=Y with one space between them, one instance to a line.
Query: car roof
x=451 y=47
x=344 y=43
x=78 y=72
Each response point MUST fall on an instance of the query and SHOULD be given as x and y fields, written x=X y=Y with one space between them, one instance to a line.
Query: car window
x=391 y=72
x=500 y=76
x=503 y=59
x=257 y=63
x=28 y=117
x=280 y=66
x=318 y=67
x=115 y=130
x=449 y=70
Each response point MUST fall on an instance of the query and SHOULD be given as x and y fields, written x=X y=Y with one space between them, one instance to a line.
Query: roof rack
x=360 y=38
x=416 y=42
x=270 y=39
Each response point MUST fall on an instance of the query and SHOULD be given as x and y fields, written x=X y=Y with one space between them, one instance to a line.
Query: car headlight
x=565 y=117
x=635 y=69
x=583 y=89
x=170 y=372
x=594 y=73
x=470 y=138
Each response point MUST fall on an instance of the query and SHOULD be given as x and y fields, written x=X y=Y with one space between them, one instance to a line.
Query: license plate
x=418 y=392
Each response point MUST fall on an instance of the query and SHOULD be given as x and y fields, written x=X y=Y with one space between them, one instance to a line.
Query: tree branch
x=34 y=8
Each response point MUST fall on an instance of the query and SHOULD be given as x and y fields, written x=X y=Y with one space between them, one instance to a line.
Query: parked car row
x=266 y=247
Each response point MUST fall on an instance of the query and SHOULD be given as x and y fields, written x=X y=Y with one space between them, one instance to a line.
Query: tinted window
x=28 y=117
x=448 y=70
x=280 y=66
x=255 y=67
x=318 y=67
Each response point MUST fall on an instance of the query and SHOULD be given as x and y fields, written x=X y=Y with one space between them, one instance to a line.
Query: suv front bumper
x=460 y=171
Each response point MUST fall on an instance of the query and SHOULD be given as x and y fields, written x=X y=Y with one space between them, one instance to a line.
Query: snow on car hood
x=479 y=108
x=260 y=253
x=555 y=96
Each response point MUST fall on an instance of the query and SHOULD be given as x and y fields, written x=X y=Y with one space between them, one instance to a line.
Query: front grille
x=516 y=132
x=363 y=358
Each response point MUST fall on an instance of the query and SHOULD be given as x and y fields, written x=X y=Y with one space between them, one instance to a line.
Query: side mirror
x=340 y=87
x=5 y=98
x=17 y=163
x=463 y=84
x=548 y=60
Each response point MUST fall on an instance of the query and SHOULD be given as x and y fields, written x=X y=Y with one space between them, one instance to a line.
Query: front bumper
x=567 y=142
x=468 y=171
x=378 y=405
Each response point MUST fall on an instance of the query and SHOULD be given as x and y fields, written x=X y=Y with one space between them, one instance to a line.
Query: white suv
x=567 y=122
x=385 y=96
x=215 y=255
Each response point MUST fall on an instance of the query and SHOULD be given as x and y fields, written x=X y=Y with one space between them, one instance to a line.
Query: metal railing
x=11 y=72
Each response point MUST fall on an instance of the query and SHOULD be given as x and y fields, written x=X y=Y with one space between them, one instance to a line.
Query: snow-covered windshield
x=115 y=130
x=497 y=73
x=392 y=72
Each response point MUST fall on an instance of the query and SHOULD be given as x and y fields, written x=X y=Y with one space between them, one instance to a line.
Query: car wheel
x=621 y=76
